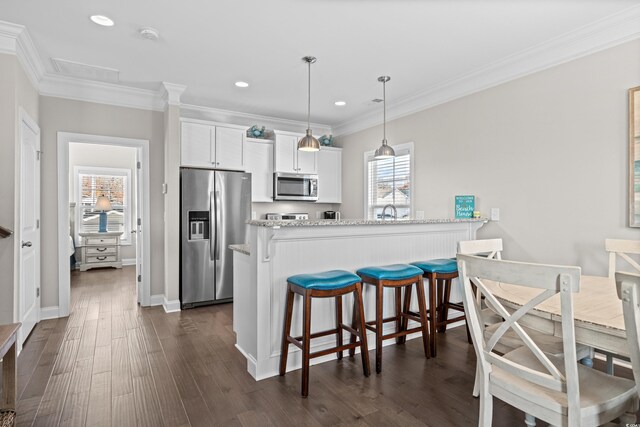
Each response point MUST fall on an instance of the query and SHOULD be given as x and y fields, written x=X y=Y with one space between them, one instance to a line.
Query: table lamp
x=103 y=205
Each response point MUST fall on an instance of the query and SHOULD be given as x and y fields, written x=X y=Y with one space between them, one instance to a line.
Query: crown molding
x=611 y=31
x=247 y=119
x=172 y=92
x=15 y=40
x=100 y=92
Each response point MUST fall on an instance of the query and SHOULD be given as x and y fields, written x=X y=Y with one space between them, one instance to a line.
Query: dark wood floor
x=113 y=363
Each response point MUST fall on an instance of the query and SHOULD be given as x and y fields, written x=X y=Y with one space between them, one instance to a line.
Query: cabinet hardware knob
x=26 y=244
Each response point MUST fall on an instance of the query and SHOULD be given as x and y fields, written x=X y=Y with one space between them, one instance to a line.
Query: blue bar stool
x=335 y=283
x=440 y=273
x=396 y=276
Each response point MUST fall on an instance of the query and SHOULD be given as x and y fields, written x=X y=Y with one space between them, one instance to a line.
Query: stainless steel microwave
x=292 y=186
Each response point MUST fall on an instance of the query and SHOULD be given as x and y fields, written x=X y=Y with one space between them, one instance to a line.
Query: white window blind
x=389 y=183
x=114 y=184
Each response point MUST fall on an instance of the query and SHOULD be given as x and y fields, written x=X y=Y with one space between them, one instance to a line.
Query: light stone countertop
x=243 y=249
x=351 y=222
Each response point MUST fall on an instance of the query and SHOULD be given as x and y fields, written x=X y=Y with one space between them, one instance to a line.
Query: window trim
x=98 y=170
x=407 y=146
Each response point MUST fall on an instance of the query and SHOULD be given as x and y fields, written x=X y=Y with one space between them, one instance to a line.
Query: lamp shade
x=103 y=204
x=308 y=143
x=384 y=151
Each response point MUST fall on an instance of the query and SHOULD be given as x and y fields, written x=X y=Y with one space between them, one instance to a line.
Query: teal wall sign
x=465 y=206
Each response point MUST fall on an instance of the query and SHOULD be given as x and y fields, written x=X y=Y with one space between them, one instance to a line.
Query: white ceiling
x=208 y=45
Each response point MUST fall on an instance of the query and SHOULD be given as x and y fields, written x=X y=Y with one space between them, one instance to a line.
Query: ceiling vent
x=84 y=71
x=376 y=100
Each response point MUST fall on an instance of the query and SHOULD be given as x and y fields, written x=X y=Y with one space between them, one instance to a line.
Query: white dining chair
x=628 y=287
x=492 y=249
x=619 y=249
x=556 y=390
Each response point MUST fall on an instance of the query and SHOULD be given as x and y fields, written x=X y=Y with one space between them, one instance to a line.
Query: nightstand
x=100 y=250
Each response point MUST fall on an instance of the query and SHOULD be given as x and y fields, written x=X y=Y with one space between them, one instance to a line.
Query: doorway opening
x=103 y=213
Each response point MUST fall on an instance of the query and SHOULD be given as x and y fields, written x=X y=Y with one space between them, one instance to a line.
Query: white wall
x=64 y=115
x=106 y=156
x=549 y=150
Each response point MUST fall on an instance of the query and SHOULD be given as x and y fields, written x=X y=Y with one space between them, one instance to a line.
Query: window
x=389 y=182
x=110 y=182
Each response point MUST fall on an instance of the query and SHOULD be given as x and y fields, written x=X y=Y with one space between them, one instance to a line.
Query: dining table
x=598 y=318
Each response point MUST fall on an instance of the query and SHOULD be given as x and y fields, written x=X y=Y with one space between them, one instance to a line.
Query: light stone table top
x=352 y=222
x=243 y=249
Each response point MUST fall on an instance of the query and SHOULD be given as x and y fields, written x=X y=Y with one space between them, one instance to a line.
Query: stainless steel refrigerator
x=215 y=208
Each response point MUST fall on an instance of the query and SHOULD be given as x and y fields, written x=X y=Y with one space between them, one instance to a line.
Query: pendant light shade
x=384 y=151
x=308 y=142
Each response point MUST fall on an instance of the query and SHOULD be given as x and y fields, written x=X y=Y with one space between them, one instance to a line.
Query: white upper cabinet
x=229 y=145
x=330 y=175
x=289 y=159
x=210 y=146
x=197 y=148
x=259 y=162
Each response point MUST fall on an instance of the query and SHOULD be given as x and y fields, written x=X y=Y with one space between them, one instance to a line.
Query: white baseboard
x=171 y=306
x=157 y=299
x=47 y=313
x=129 y=261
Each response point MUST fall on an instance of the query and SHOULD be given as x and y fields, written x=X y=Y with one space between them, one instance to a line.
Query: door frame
x=64 y=277
x=24 y=117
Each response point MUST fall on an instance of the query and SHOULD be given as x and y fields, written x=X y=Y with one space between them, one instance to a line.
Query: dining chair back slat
x=618 y=248
x=628 y=287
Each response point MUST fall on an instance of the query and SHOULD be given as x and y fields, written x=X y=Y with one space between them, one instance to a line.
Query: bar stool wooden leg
x=445 y=284
x=399 y=316
x=379 y=327
x=423 y=317
x=339 y=324
x=406 y=306
x=287 y=331
x=354 y=322
x=364 y=348
x=433 y=315
x=306 y=343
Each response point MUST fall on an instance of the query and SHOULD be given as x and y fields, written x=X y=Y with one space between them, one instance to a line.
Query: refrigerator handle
x=213 y=232
x=218 y=212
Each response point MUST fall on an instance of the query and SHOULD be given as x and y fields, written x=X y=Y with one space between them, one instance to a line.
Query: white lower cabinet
x=330 y=175
x=259 y=162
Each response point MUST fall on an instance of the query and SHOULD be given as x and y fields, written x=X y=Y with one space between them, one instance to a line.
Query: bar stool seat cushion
x=391 y=272
x=327 y=280
x=447 y=265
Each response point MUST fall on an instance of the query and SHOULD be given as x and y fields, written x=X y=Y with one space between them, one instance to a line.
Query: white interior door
x=138 y=224
x=29 y=293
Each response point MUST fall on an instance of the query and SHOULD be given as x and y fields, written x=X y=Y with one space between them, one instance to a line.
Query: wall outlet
x=318 y=215
x=254 y=215
x=164 y=188
x=419 y=214
x=495 y=214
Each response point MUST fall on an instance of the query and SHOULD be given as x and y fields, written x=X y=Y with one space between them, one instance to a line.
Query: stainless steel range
x=285 y=216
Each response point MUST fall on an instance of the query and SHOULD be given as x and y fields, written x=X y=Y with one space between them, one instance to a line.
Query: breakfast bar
x=280 y=249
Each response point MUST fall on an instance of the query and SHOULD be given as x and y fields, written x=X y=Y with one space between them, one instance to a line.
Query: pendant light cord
x=309 y=98
x=384 y=112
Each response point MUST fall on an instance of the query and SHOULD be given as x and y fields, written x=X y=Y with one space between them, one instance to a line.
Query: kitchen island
x=279 y=249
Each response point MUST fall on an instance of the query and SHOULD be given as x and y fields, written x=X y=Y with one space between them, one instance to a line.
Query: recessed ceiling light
x=340 y=103
x=242 y=84
x=102 y=20
x=149 y=33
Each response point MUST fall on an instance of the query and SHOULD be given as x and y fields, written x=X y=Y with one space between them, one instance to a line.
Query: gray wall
x=63 y=115
x=17 y=93
x=549 y=150
x=106 y=156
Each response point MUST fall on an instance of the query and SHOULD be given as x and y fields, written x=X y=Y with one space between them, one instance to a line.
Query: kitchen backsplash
x=261 y=209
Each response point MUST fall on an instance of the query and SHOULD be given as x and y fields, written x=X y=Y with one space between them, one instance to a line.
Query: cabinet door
x=307 y=161
x=196 y=145
x=285 y=153
x=229 y=143
x=259 y=162
x=330 y=175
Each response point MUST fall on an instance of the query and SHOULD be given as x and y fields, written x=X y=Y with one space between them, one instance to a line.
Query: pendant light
x=384 y=152
x=308 y=142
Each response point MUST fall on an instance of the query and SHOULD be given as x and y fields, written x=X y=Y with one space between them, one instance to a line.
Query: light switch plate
x=164 y=188
x=254 y=215
x=495 y=214
x=419 y=214
x=318 y=215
